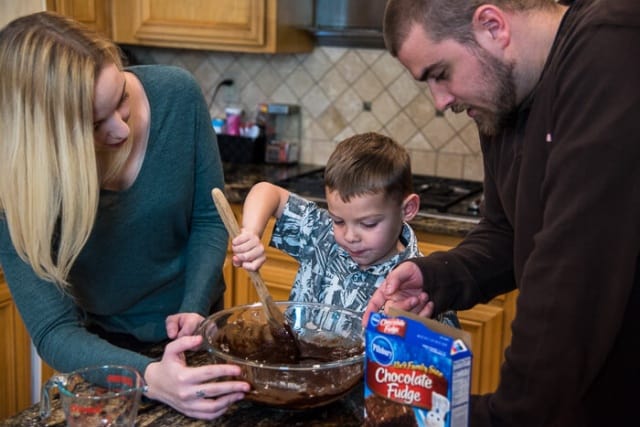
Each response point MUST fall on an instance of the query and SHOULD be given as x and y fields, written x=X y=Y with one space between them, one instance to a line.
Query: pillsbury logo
x=382 y=351
x=375 y=319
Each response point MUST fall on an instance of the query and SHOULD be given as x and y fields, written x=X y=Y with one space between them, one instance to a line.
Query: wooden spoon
x=278 y=324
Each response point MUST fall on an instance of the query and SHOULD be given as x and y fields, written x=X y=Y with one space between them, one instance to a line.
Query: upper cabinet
x=260 y=26
x=94 y=13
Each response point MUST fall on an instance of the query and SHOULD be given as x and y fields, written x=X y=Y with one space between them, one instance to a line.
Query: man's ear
x=410 y=206
x=491 y=27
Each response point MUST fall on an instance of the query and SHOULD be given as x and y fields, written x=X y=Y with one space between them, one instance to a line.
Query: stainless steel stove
x=445 y=198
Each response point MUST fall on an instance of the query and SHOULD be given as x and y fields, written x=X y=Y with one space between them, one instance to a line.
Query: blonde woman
x=109 y=240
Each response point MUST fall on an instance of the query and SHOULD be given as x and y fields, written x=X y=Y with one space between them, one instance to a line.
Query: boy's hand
x=248 y=251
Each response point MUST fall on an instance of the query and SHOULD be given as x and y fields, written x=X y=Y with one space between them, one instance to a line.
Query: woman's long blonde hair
x=49 y=181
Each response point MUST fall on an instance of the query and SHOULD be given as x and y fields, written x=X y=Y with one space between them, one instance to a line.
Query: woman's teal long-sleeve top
x=156 y=249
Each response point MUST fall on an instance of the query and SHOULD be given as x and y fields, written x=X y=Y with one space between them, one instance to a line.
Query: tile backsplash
x=341 y=91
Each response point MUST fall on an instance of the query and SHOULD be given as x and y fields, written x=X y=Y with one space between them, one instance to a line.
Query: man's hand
x=401 y=289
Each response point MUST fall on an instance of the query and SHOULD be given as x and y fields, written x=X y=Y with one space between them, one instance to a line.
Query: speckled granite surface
x=346 y=412
x=450 y=227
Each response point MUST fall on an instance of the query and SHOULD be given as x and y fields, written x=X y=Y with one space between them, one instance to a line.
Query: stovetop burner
x=442 y=196
x=442 y=193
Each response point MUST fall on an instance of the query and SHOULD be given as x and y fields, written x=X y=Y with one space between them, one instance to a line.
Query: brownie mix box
x=417 y=372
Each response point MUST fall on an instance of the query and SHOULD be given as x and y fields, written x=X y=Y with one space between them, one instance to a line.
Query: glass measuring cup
x=106 y=395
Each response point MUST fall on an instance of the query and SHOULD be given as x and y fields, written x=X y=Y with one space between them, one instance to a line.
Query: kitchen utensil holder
x=240 y=149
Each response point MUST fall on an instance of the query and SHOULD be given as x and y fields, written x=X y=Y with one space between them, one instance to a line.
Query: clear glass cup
x=106 y=395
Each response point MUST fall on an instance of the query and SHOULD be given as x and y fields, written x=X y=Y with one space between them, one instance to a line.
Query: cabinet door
x=279 y=272
x=94 y=13
x=488 y=324
x=238 y=25
x=485 y=324
x=15 y=357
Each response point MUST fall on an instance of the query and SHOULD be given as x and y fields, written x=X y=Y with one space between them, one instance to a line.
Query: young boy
x=346 y=250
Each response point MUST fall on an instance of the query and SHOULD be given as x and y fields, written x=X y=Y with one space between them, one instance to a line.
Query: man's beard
x=499 y=83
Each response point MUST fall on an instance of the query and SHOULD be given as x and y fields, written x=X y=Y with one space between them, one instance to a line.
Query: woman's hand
x=192 y=391
x=182 y=324
x=248 y=251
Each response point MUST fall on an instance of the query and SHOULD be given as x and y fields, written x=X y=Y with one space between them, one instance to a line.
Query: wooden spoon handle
x=224 y=209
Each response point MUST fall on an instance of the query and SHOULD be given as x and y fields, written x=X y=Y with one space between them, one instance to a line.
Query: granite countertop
x=348 y=411
x=240 y=177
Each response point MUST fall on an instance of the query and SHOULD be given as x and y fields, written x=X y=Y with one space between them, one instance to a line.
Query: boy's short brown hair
x=369 y=163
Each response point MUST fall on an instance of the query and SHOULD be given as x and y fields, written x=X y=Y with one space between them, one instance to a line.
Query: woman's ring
x=200 y=394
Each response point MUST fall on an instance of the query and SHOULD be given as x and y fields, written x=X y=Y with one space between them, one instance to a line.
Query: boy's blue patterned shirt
x=327 y=274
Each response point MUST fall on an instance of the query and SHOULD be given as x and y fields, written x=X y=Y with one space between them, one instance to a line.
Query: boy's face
x=367 y=227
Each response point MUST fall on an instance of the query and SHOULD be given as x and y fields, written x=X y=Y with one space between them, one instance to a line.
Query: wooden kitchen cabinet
x=15 y=357
x=94 y=13
x=489 y=324
x=278 y=272
x=260 y=26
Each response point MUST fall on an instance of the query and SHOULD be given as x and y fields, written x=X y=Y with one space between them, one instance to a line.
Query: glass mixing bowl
x=331 y=342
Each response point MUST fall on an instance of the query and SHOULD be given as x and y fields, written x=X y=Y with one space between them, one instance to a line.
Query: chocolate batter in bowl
x=331 y=345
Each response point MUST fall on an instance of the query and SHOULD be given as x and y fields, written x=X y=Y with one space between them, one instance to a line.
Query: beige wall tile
x=401 y=128
x=368 y=86
x=449 y=165
x=333 y=53
x=251 y=64
x=312 y=133
x=348 y=104
x=369 y=56
x=283 y=95
x=351 y=66
x=387 y=69
x=330 y=85
x=421 y=110
x=473 y=168
x=268 y=79
x=419 y=143
x=469 y=134
x=315 y=101
x=332 y=122
x=438 y=132
x=333 y=84
x=423 y=162
x=384 y=107
x=300 y=81
x=317 y=64
x=318 y=153
x=365 y=122
x=283 y=64
x=404 y=89
x=455 y=146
